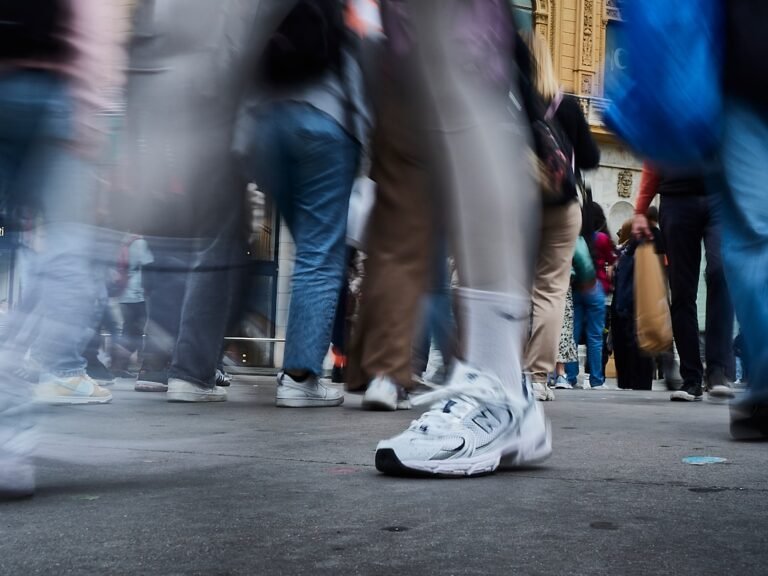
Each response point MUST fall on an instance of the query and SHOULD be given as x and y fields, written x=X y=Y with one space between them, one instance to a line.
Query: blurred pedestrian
x=309 y=122
x=402 y=253
x=486 y=415
x=57 y=60
x=590 y=305
x=560 y=223
x=189 y=60
x=744 y=208
x=687 y=221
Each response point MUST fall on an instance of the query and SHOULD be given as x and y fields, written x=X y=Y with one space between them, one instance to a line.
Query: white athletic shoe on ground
x=384 y=394
x=542 y=392
x=308 y=394
x=472 y=427
x=75 y=390
x=183 y=391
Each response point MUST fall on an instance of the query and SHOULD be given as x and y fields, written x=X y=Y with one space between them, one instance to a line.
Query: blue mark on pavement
x=702 y=460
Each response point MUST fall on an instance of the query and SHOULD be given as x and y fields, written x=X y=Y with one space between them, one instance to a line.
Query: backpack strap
x=554 y=106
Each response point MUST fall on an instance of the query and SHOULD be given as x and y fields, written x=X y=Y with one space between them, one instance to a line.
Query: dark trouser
x=134 y=322
x=104 y=320
x=189 y=293
x=437 y=317
x=686 y=221
x=634 y=370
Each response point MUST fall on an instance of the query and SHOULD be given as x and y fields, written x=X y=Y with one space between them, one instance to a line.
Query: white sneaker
x=308 y=394
x=183 y=391
x=75 y=390
x=542 y=392
x=473 y=425
x=384 y=394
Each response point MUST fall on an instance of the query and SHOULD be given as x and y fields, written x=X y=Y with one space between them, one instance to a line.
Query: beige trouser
x=400 y=242
x=560 y=227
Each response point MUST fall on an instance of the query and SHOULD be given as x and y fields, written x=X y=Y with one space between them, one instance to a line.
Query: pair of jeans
x=307 y=162
x=686 y=221
x=743 y=206
x=437 y=325
x=189 y=290
x=589 y=316
x=42 y=174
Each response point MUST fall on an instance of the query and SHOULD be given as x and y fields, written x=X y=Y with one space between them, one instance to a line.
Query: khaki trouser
x=560 y=227
x=400 y=240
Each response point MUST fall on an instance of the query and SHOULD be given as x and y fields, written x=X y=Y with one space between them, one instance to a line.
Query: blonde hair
x=542 y=69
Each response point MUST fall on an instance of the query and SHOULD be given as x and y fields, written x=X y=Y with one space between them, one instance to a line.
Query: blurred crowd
x=437 y=129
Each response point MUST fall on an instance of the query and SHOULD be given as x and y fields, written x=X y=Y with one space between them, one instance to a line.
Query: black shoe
x=718 y=386
x=749 y=421
x=337 y=375
x=126 y=374
x=96 y=370
x=688 y=393
x=223 y=379
x=152 y=381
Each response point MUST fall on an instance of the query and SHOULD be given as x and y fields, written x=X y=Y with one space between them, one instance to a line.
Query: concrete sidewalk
x=146 y=487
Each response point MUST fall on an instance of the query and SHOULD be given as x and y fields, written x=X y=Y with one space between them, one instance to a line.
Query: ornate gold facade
x=576 y=30
x=578 y=33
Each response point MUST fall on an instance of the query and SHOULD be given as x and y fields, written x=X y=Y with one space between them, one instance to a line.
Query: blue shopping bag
x=667 y=103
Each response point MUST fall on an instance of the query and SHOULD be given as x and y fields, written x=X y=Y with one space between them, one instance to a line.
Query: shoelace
x=451 y=403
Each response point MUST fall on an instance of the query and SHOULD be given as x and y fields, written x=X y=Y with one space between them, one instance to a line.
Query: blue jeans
x=40 y=172
x=744 y=211
x=307 y=162
x=437 y=324
x=589 y=315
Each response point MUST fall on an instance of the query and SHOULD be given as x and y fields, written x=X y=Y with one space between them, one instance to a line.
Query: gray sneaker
x=719 y=387
x=310 y=393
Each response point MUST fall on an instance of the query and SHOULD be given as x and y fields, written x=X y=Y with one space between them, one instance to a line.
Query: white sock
x=496 y=328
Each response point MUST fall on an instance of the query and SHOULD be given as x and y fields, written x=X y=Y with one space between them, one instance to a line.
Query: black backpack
x=307 y=44
x=558 y=182
x=33 y=29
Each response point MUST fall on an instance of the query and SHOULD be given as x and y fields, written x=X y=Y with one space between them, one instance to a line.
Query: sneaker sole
x=687 y=398
x=187 y=398
x=148 y=386
x=379 y=402
x=388 y=463
x=308 y=403
x=520 y=453
x=724 y=394
x=378 y=406
x=73 y=401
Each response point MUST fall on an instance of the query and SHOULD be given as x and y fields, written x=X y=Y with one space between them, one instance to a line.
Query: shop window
x=523 y=11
